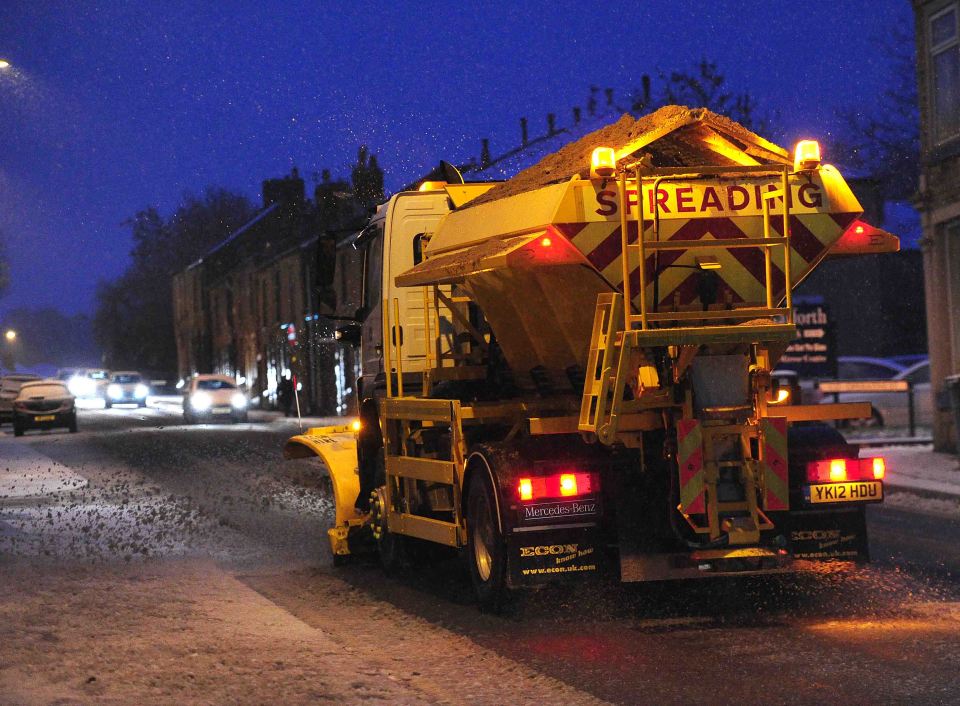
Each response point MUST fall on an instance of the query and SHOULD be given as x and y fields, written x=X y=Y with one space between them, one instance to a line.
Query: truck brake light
x=559 y=485
x=838 y=470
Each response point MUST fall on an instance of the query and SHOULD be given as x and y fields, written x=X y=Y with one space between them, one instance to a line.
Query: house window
x=945 y=73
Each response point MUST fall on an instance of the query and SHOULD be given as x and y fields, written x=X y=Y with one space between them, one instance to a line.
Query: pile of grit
x=574 y=158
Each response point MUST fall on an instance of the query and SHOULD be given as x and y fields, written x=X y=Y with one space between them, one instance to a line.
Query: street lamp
x=10 y=335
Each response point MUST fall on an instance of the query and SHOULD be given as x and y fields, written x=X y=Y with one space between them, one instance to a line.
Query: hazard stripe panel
x=773 y=461
x=690 y=462
x=743 y=270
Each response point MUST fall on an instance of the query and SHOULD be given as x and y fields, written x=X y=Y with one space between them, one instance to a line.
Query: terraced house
x=938 y=71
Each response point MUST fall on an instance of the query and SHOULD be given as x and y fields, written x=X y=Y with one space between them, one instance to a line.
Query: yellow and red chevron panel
x=690 y=463
x=822 y=208
x=774 y=463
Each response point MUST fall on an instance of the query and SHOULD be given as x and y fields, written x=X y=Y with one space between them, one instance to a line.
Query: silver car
x=891 y=409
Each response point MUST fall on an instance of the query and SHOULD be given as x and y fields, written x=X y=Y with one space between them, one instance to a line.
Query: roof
x=244 y=228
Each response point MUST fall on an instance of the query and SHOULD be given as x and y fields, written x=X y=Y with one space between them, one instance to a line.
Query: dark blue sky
x=112 y=107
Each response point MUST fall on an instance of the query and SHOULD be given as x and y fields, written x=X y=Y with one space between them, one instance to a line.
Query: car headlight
x=141 y=390
x=115 y=391
x=200 y=401
x=80 y=387
x=238 y=400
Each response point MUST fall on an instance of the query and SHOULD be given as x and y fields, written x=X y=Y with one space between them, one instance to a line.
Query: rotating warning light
x=806 y=155
x=603 y=163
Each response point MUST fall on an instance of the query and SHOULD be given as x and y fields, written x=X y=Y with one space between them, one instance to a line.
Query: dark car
x=44 y=404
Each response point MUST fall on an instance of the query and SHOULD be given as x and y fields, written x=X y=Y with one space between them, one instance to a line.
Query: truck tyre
x=73 y=423
x=486 y=553
x=107 y=404
x=390 y=546
x=17 y=428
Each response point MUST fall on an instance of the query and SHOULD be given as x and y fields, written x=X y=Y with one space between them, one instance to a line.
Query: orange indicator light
x=526 y=489
x=568 y=484
x=838 y=469
x=879 y=468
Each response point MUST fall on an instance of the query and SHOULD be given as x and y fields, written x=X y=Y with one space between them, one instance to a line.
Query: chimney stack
x=551 y=124
x=484 y=153
x=523 y=132
x=609 y=93
x=645 y=80
x=576 y=115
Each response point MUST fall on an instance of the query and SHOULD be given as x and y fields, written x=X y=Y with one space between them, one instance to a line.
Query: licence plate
x=858 y=491
x=45 y=418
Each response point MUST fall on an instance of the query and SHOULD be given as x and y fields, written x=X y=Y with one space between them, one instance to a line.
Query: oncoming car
x=127 y=387
x=44 y=404
x=207 y=395
x=89 y=383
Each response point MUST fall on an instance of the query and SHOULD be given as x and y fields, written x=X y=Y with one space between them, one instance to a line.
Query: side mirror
x=349 y=334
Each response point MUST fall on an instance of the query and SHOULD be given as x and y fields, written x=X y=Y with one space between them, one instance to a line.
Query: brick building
x=938 y=73
x=248 y=308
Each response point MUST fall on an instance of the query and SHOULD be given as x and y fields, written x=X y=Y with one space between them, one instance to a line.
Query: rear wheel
x=73 y=423
x=107 y=404
x=17 y=427
x=486 y=553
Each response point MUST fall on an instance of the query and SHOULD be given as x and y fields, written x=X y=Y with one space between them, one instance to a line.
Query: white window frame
x=934 y=50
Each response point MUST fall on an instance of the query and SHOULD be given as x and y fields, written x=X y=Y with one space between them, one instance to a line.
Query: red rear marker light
x=545 y=241
x=525 y=488
x=558 y=485
x=838 y=470
x=568 y=484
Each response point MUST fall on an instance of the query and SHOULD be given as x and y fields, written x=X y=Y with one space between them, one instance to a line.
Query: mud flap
x=834 y=535
x=550 y=554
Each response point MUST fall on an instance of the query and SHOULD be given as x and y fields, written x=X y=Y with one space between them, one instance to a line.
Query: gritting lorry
x=569 y=373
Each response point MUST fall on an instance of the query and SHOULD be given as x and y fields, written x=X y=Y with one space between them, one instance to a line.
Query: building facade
x=249 y=308
x=938 y=74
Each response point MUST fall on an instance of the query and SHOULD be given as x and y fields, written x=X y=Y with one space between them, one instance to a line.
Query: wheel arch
x=478 y=463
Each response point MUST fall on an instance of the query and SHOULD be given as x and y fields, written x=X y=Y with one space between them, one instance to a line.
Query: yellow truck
x=569 y=372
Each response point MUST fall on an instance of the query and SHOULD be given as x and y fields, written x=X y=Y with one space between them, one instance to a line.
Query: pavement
x=920 y=469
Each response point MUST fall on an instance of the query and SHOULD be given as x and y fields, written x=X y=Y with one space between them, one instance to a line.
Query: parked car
x=207 y=395
x=44 y=404
x=892 y=408
x=855 y=367
x=9 y=388
x=89 y=383
x=126 y=387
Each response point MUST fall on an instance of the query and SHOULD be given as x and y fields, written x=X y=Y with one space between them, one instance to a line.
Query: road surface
x=165 y=563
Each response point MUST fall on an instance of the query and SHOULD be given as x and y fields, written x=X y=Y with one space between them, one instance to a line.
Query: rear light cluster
x=838 y=470
x=559 y=485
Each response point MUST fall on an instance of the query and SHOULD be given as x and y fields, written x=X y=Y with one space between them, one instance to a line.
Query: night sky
x=111 y=107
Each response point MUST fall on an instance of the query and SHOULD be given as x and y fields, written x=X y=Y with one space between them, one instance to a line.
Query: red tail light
x=559 y=485
x=838 y=470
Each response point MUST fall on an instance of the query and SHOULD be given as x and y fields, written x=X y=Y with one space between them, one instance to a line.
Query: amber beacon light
x=603 y=163
x=806 y=155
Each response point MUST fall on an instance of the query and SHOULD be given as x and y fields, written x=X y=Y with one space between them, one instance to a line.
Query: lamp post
x=9 y=339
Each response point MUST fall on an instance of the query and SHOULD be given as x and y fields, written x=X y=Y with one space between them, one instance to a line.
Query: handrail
x=767 y=242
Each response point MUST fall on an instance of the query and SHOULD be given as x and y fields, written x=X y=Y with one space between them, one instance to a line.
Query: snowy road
x=185 y=564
